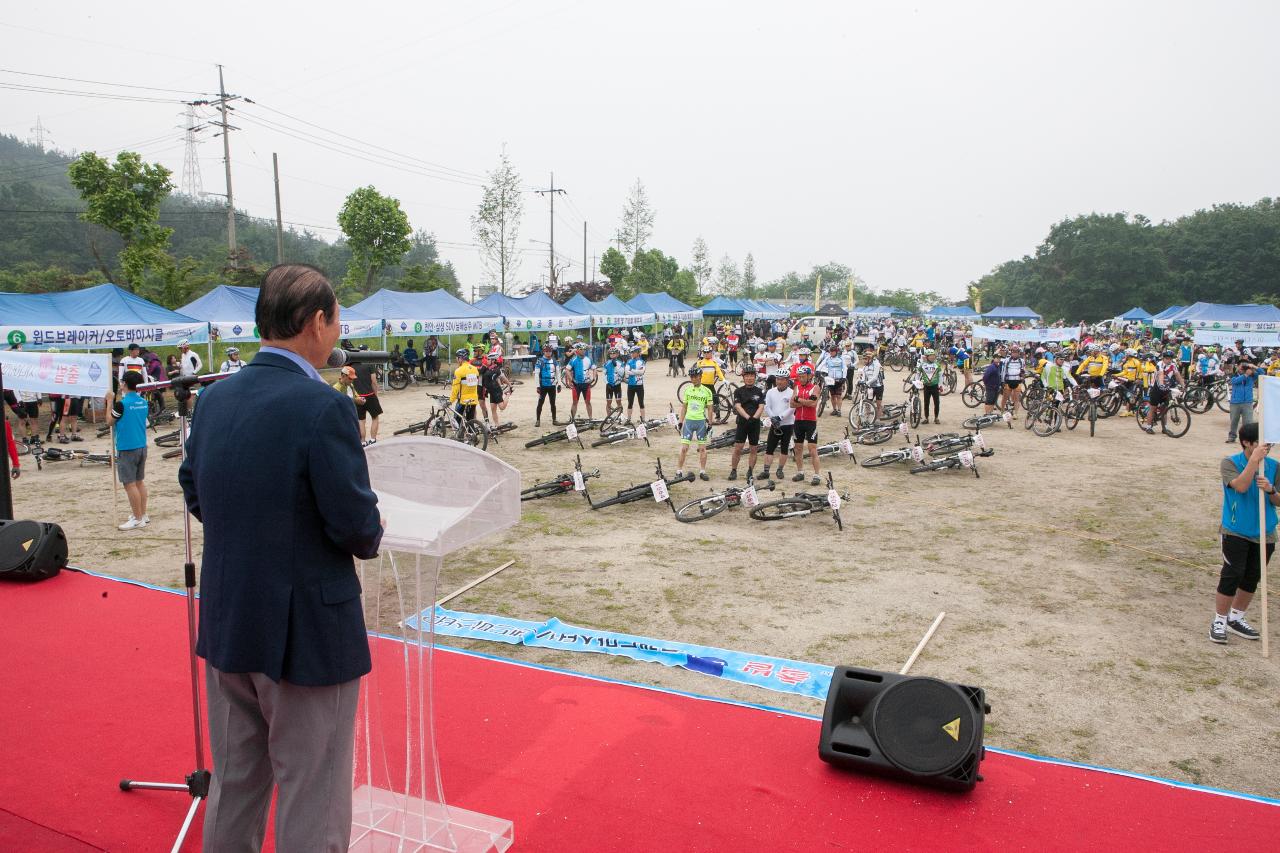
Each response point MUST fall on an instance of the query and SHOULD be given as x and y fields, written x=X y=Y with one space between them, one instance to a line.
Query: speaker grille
x=924 y=725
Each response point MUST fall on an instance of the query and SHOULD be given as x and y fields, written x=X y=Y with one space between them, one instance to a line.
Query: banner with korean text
x=995 y=333
x=780 y=674
x=69 y=373
x=104 y=337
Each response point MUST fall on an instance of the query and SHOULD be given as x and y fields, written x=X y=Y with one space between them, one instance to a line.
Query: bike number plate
x=578 y=484
x=917 y=453
x=672 y=419
x=846 y=447
x=1006 y=417
x=833 y=499
x=979 y=442
x=571 y=432
x=659 y=490
x=902 y=428
x=641 y=432
x=749 y=497
x=1094 y=392
x=966 y=458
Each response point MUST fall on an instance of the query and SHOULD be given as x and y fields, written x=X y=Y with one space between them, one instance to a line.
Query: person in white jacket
x=780 y=419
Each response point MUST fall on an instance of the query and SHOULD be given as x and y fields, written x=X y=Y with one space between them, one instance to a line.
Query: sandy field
x=1077 y=576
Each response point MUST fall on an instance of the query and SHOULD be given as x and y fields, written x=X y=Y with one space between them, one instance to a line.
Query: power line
x=97 y=82
x=76 y=93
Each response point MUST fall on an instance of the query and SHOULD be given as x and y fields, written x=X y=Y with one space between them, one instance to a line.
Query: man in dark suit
x=275 y=472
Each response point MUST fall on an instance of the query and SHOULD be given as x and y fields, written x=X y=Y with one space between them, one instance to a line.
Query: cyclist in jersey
x=962 y=359
x=544 y=367
x=635 y=381
x=748 y=405
x=929 y=373
x=709 y=368
x=1165 y=378
x=464 y=393
x=491 y=385
x=768 y=361
x=871 y=374
x=993 y=379
x=833 y=365
x=800 y=359
x=1094 y=366
x=695 y=424
x=782 y=419
x=133 y=362
x=1014 y=371
x=233 y=362
x=614 y=371
x=578 y=373
x=676 y=348
x=805 y=403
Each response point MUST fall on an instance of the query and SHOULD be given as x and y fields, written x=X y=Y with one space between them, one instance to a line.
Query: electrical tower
x=40 y=131
x=551 y=284
x=192 y=184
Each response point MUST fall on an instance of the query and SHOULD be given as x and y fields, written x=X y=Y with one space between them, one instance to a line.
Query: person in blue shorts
x=578 y=373
x=696 y=426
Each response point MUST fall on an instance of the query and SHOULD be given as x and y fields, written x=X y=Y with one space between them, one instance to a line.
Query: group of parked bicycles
x=941 y=452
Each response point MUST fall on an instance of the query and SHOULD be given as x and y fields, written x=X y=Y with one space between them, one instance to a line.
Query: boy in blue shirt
x=1241 y=409
x=1244 y=476
x=129 y=414
x=544 y=367
x=635 y=381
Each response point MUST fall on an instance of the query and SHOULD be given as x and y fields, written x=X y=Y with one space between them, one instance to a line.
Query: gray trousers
x=1241 y=413
x=266 y=734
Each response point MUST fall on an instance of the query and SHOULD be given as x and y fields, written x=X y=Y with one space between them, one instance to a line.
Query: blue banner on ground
x=780 y=674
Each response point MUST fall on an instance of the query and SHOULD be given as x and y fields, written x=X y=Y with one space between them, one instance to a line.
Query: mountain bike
x=558 y=485
x=801 y=504
x=580 y=425
x=974 y=394
x=844 y=445
x=909 y=453
x=656 y=491
x=1173 y=417
x=640 y=430
x=948 y=443
x=978 y=422
x=446 y=422
x=913 y=403
x=874 y=434
x=963 y=459
x=168 y=439
x=703 y=508
x=401 y=375
x=58 y=454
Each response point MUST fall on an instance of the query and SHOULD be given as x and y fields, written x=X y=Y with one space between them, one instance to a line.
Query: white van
x=816 y=327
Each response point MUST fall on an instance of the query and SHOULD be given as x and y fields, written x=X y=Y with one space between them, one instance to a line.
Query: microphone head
x=337 y=358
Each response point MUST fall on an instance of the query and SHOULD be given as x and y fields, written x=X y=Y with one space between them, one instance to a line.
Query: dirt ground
x=1077 y=576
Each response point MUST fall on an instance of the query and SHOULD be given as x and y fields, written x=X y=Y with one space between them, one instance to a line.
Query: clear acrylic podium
x=437 y=496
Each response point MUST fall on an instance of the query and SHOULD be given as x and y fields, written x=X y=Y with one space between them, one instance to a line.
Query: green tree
x=496 y=223
x=614 y=266
x=419 y=278
x=125 y=197
x=637 y=221
x=377 y=232
x=651 y=271
x=701 y=265
x=749 y=277
x=728 y=280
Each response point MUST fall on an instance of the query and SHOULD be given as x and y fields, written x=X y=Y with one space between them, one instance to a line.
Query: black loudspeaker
x=916 y=729
x=31 y=550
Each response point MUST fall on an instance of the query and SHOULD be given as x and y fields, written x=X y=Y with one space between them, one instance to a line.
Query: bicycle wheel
x=782 y=508
x=1176 y=420
x=931 y=466
x=1048 y=420
x=701 y=508
x=398 y=378
x=1198 y=399
x=680 y=389
x=411 y=428
x=878 y=435
x=1032 y=411
x=1093 y=417
x=863 y=414
x=169 y=439
x=915 y=411
x=822 y=401
x=612 y=422
x=546 y=439
x=613 y=438
x=1071 y=413
x=891 y=457
x=437 y=426
x=154 y=405
x=474 y=434
x=721 y=408
x=541 y=490
x=948 y=384
x=973 y=395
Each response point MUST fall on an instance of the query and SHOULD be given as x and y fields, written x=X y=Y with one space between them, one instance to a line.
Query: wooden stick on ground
x=115 y=481
x=475 y=582
x=923 y=641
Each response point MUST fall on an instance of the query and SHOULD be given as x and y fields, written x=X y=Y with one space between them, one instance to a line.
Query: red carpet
x=94 y=687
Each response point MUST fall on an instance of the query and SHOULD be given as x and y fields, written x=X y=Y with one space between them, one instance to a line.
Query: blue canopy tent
x=1163 y=318
x=1241 y=318
x=723 y=306
x=665 y=307
x=1136 y=315
x=610 y=312
x=435 y=312
x=1015 y=312
x=758 y=310
x=951 y=312
x=230 y=312
x=533 y=313
x=100 y=317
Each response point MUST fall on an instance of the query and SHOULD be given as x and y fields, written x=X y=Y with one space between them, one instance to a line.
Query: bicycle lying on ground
x=963 y=459
x=570 y=432
x=58 y=454
x=843 y=445
x=641 y=430
x=705 y=507
x=657 y=490
x=978 y=422
x=801 y=504
x=892 y=457
x=559 y=485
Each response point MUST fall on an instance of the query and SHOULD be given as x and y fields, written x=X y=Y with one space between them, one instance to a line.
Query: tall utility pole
x=221 y=104
x=551 y=284
x=192 y=183
x=275 y=168
x=584 y=253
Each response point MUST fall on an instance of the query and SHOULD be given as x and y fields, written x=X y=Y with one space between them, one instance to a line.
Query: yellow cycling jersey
x=1129 y=369
x=1093 y=365
x=711 y=372
x=466 y=385
x=1148 y=373
x=1273 y=369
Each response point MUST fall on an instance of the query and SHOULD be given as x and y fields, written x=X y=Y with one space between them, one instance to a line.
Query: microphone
x=181 y=382
x=341 y=357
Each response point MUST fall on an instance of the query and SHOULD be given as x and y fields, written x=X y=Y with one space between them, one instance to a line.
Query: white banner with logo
x=1206 y=337
x=995 y=333
x=73 y=374
x=469 y=326
x=103 y=337
x=236 y=331
x=605 y=321
x=539 y=324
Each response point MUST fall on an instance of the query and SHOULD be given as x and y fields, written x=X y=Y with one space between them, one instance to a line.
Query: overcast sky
x=920 y=143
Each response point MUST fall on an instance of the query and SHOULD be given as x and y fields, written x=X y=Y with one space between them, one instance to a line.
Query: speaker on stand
x=911 y=728
x=31 y=550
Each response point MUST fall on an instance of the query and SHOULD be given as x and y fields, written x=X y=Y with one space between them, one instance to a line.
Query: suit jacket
x=275 y=471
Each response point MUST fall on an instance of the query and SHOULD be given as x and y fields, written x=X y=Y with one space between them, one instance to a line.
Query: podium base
x=384 y=821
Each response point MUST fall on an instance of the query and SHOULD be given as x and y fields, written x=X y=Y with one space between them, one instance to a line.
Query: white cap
x=184 y=343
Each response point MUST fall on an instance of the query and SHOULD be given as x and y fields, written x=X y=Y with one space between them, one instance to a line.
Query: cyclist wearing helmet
x=614 y=370
x=1094 y=366
x=1013 y=372
x=693 y=416
x=545 y=369
x=871 y=374
x=800 y=356
x=635 y=381
x=676 y=348
x=1164 y=378
x=464 y=393
x=578 y=371
x=782 y=419
x=708 y=367
x=929 y=372
x=748 y=405
x=233 y=362
x=833 y=365
x=767 y=362
x=493 y=399
x=805 y=403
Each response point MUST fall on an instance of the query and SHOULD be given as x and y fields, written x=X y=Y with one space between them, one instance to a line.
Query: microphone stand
x=197 y=782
